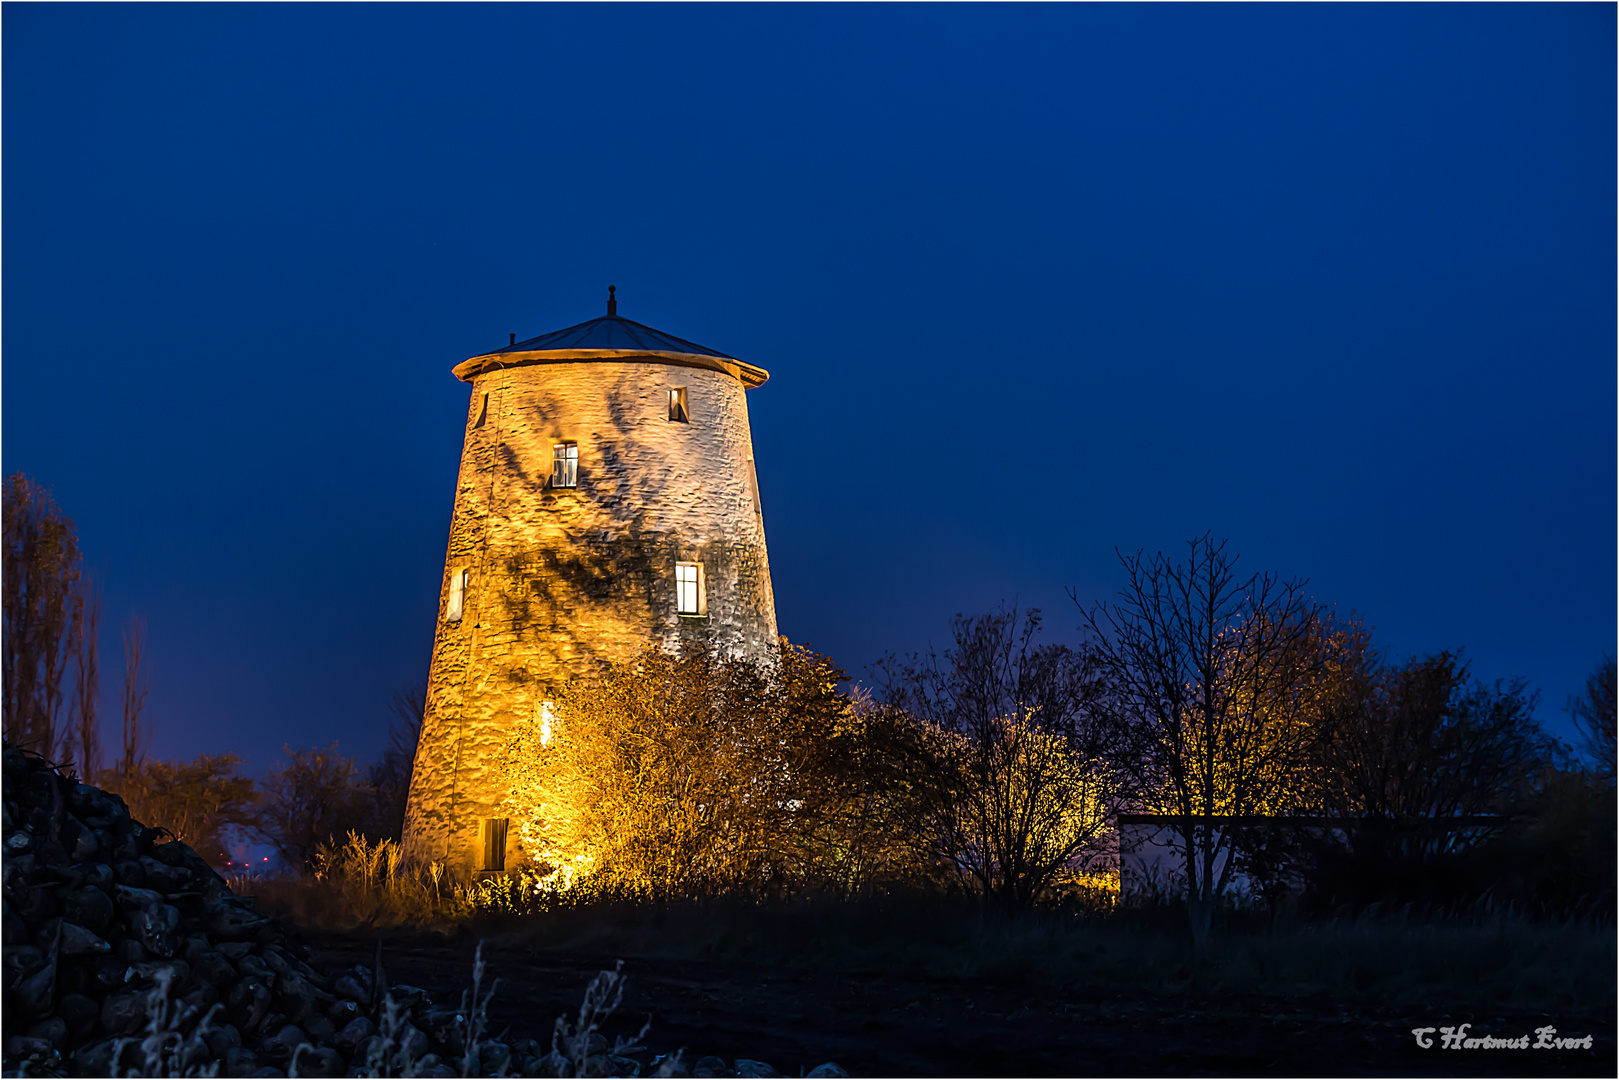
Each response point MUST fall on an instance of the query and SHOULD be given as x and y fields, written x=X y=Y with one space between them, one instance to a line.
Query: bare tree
x=136 y=684
x=409 y=707
x=390 y=776
x=1214 y=680
x=87 y=681
x=42 y=621
x=1019 y=753
x=1593 y=714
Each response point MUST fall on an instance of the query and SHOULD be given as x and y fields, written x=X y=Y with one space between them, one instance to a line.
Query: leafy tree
x=315 y=798
x=689 y=773
x=1016 y=762
x=1432 y=771
x=1424 y=740
x=860 y=823
x=202 y=802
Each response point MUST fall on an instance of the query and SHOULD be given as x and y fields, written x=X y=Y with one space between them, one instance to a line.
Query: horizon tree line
x=996 y=769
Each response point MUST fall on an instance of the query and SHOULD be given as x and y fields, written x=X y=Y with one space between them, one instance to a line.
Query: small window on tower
x=677 y=405
x=565 y=465
x=460 y=578
x=492 y=843
x=689 y=598
x=483 y=412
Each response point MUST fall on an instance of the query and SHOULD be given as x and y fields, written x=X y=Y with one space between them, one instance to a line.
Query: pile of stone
x=126 y=954
x=126 y=951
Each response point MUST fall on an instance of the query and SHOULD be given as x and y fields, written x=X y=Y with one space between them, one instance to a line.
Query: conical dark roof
x=611 y=332
x=610 y=336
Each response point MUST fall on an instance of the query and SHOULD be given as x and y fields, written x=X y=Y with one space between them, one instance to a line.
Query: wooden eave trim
x=748 y=375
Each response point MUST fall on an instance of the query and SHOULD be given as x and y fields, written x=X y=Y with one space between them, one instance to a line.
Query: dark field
x=891 y=994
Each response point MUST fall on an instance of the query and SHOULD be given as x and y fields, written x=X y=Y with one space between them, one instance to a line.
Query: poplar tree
x=44 y=613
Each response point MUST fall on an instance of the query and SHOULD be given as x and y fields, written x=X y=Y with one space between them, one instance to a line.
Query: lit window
x=460 y=578
x=689 y=599
x=565 y=465
x=548 y=722
x=492 y=843
x=677 y=405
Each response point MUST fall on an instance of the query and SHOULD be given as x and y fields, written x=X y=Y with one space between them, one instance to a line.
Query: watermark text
x=1456 y=1037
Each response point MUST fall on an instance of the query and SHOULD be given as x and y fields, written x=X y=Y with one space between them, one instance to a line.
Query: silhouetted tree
x=1593 y=714
x=1215 y=681
x=43 y=613
x=202 y=802
x=1019 y=756
x=87 y=683
x=1426 y=741
x=315 y=798
x=136 y=737
x=389 y=776
x=1429 y=768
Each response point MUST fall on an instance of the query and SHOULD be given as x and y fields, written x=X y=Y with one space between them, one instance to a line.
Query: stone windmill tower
x=607 y=501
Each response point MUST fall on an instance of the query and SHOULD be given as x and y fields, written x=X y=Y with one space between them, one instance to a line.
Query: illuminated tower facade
x=607 y=501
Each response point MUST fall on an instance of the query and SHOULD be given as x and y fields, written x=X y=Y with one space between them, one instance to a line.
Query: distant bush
x=1417 y=744
x=312 y=800
x=203 y=802
x=1559 y=856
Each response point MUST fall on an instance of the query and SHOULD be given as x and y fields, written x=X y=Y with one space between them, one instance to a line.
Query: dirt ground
x=876 y=1025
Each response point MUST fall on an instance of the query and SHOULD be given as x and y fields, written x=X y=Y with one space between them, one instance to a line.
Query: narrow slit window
x=677 y=405
x=548 y=722
x=460 y=578
x=689 y=599
x=492 y=843
x=483 y=412
x=565 y=465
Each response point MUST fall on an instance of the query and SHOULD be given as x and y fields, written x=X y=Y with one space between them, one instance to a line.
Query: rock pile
x=126 y=954
x=123 y=952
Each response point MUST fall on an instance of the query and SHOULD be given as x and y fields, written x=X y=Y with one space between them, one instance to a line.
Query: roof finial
x=612 y=301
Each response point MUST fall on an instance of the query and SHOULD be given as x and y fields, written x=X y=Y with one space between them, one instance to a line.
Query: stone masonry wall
x=565 y=581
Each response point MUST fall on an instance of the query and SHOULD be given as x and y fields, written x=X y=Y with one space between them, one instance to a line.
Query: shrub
x=310 y=801
x=201 y=802
x=688 y=773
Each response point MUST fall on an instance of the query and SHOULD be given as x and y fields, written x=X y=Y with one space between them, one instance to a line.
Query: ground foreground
x=879 y=1024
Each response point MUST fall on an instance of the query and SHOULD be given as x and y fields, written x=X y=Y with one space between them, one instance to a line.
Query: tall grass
x=367 y=883
x=1482 y=954
x=175 y=1042
x=363 y=882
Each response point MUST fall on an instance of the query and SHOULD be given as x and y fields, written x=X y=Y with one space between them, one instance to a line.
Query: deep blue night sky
x=1336 y=282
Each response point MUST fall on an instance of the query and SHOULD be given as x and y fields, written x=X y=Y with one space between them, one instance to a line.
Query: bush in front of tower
x=696 y=773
